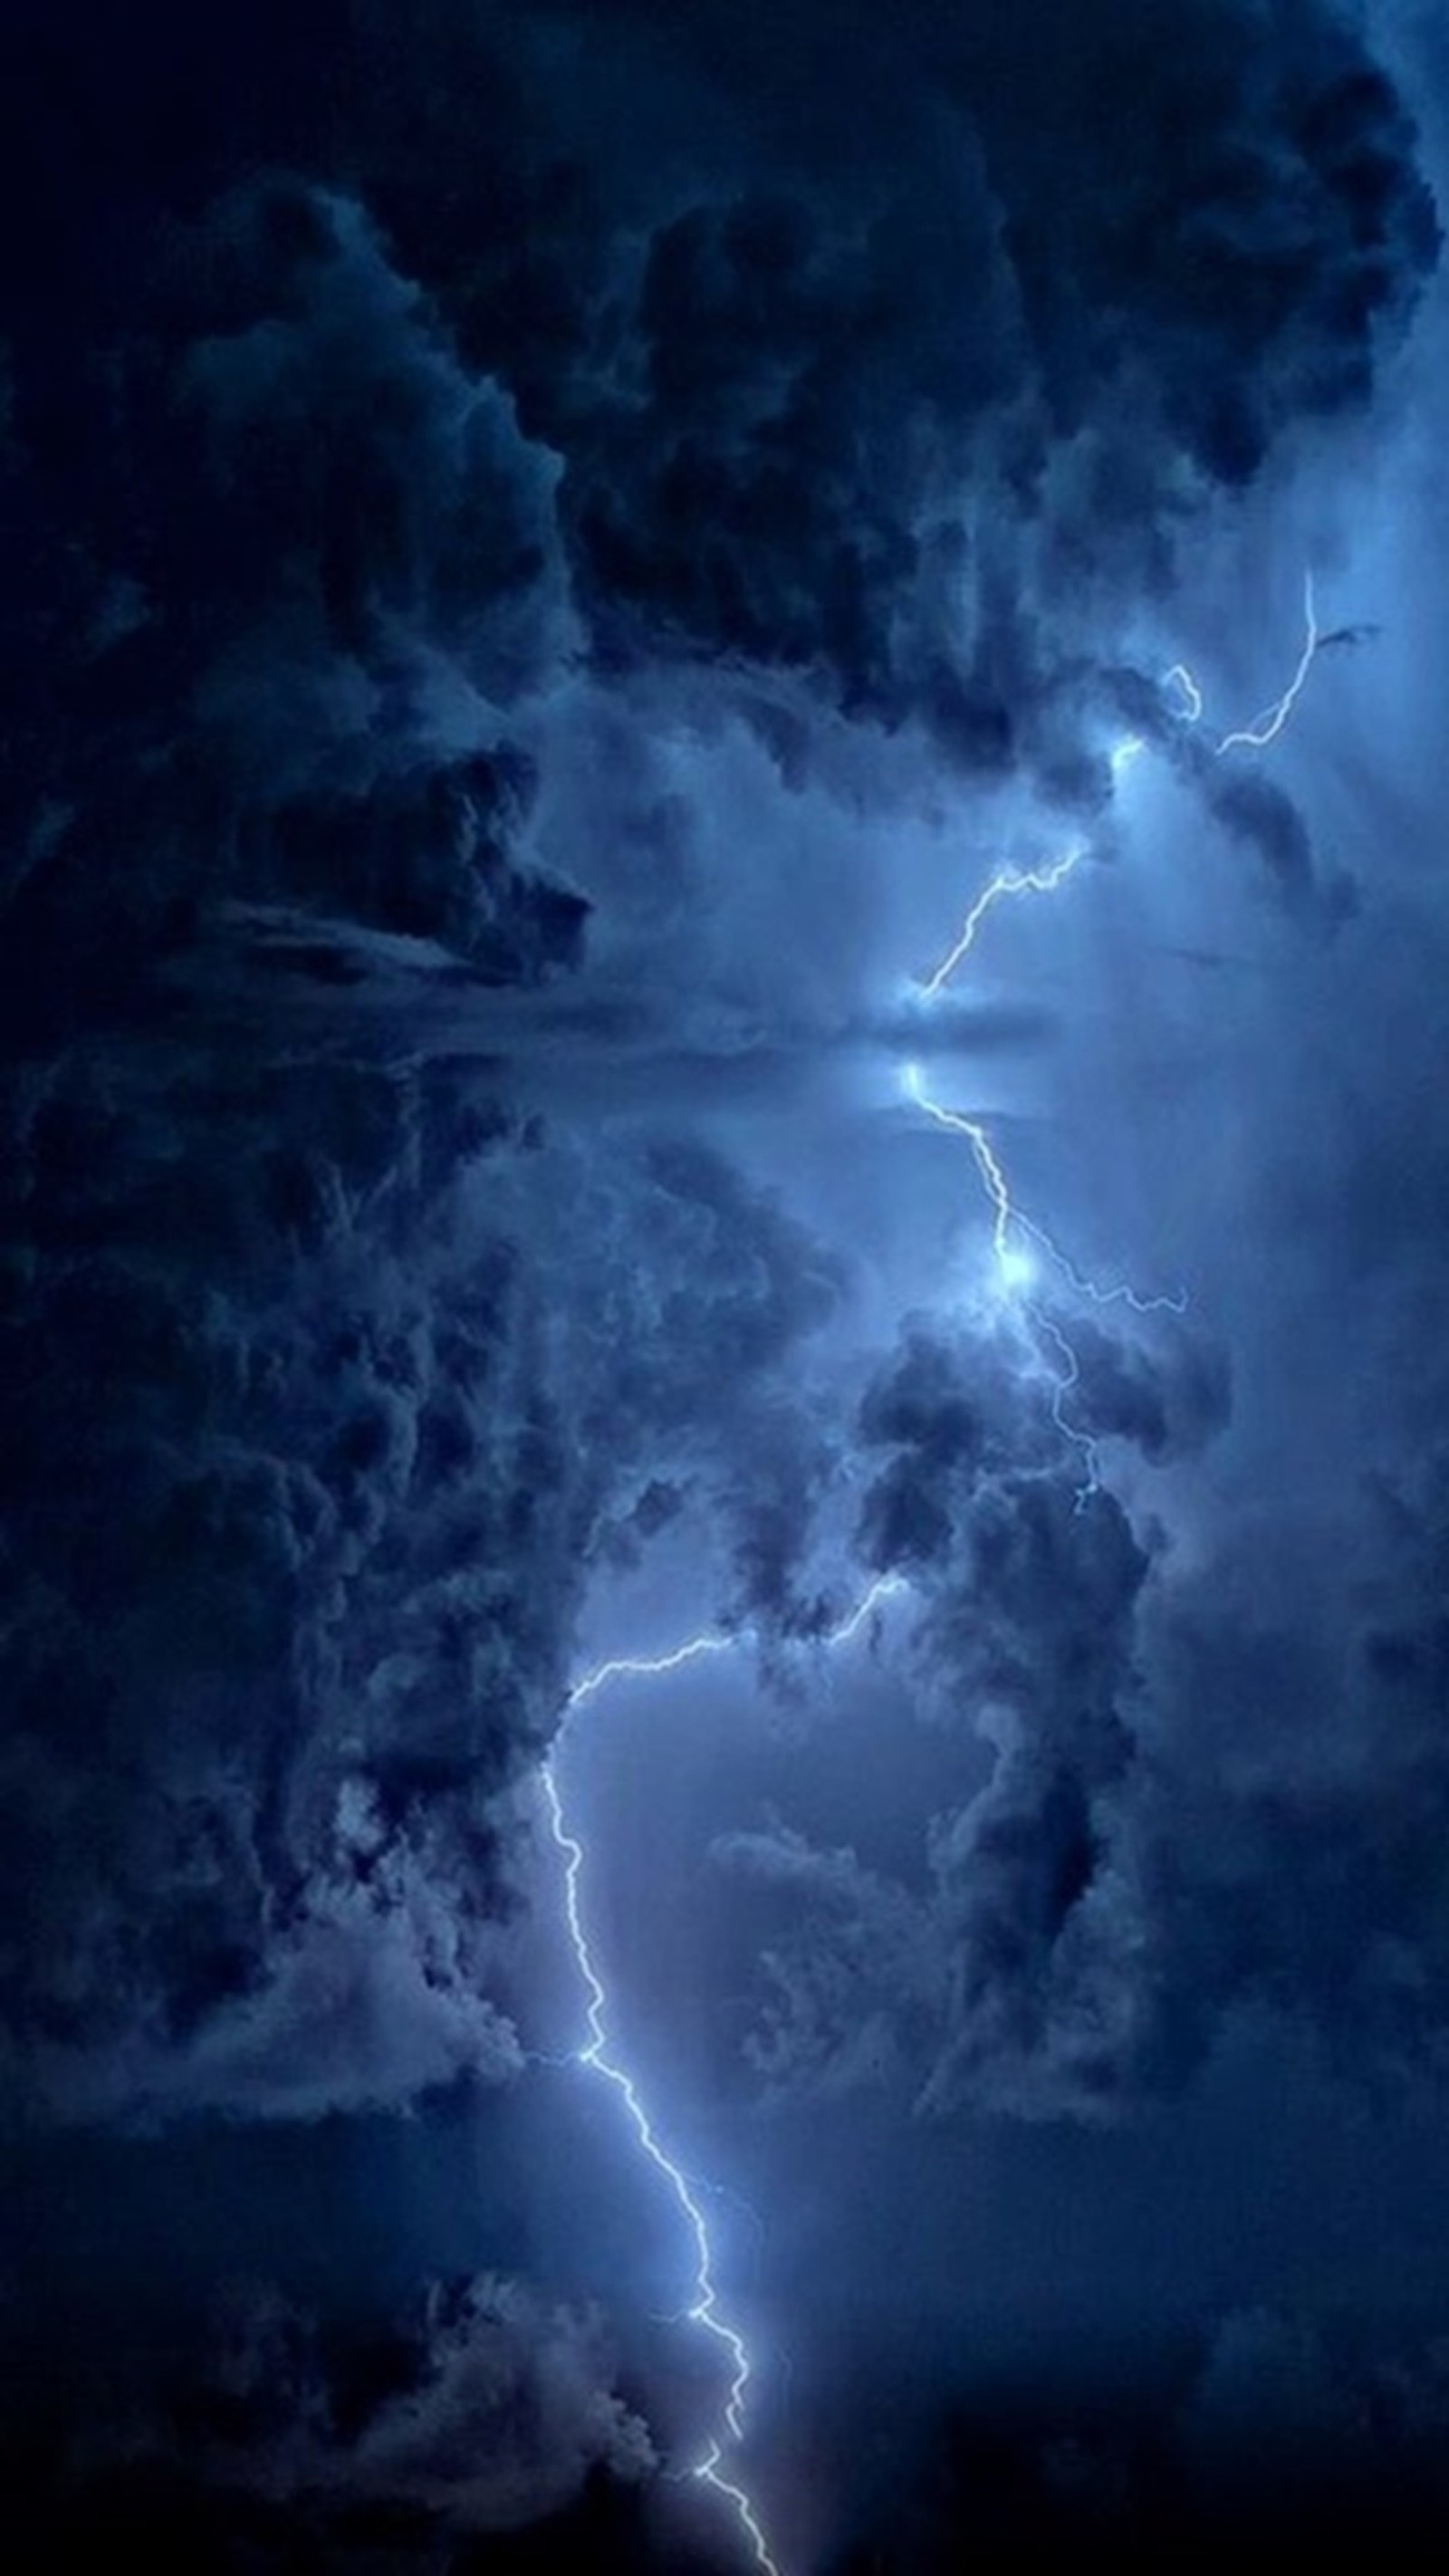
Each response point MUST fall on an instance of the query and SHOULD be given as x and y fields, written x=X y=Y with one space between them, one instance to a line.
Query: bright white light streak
x=596 y=2053
x=1082 y=1441
x=1016 y=1274
x=714 y=1641
x=1015 y=1268
x=704 y=2310
x=1053 y=873
x=1012 y=1233
x=1009 y=881
x=993 y=1179
x=1267 y=727
x=1180 y=677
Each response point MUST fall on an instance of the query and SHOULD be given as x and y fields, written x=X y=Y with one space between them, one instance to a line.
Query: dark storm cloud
x=372 y=391
x=1304 y=1881
x=1259 y=813
x=1196 y=1802
x=334 y=1499
x=301 y=1490
x=1279 y=2434
x=876 y=406
x=1013 y=1974
x=850 y=1965
x=367 y=514
x=480 y=2409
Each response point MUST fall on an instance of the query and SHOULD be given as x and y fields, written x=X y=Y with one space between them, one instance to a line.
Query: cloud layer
x=520 y=528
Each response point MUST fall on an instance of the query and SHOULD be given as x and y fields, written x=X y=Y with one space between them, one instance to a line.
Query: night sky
x=560 y=560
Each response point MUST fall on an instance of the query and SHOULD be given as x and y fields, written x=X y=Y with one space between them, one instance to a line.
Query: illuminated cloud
x=622 y=716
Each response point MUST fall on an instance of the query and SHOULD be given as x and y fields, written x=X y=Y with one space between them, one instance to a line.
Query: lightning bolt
x=1181 y=679
x=649 y=1668
x=1015 y=1267
x=1009 y=881
x=597 y=2054
x=1267 y=727
x=1016 y=1272
x=1016 y=1241
x=1014 y=1235
x=1018 y=881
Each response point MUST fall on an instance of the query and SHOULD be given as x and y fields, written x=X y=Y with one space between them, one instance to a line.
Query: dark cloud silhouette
x=1257 y=812
x=314 y=1583
x=1015 y=1966
x=480 y=2410
x=437 y=461
x=1153 y=1849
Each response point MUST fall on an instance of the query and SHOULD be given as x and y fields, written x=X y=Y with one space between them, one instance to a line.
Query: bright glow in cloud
x=1015 y=1267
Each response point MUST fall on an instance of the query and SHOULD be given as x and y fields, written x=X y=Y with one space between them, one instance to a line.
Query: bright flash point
x=1015 y=1269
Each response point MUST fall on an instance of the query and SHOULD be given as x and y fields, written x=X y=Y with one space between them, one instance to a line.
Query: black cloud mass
x=548 y=553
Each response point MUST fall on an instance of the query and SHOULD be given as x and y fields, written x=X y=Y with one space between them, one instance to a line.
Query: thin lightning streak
x=1016 y=881
x=708 y=2470
x=1053 y=873
x=1010 y=881
x=1267 y=727
x=1122 y=1294
x=1016 y=1270
x=1082 y=1441
x=1180 y=677
x=715 y=1641
x=704 y=2310
x=1012 y=1231
x=1015 y=1266
x=886 y=1587
x=993 y=1179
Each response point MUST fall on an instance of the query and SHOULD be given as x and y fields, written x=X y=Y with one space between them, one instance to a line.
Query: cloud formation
x=508 y=518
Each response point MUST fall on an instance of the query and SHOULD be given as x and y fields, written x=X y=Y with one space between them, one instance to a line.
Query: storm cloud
x=548 y=554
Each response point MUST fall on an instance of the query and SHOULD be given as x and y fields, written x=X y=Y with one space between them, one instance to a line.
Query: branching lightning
x=704 y=2309
x=1266 y=728
x=1015 y=1266
x=596 y=2053
x=1014 y=1235
x=1016 y=1272
x=1017 y=1240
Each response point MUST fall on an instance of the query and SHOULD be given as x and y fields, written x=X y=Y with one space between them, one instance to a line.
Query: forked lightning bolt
x=596 y=2053
x=1012 y=1231
x=1015 y=1239
x=1015 y=1267
x=1016 y=1271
